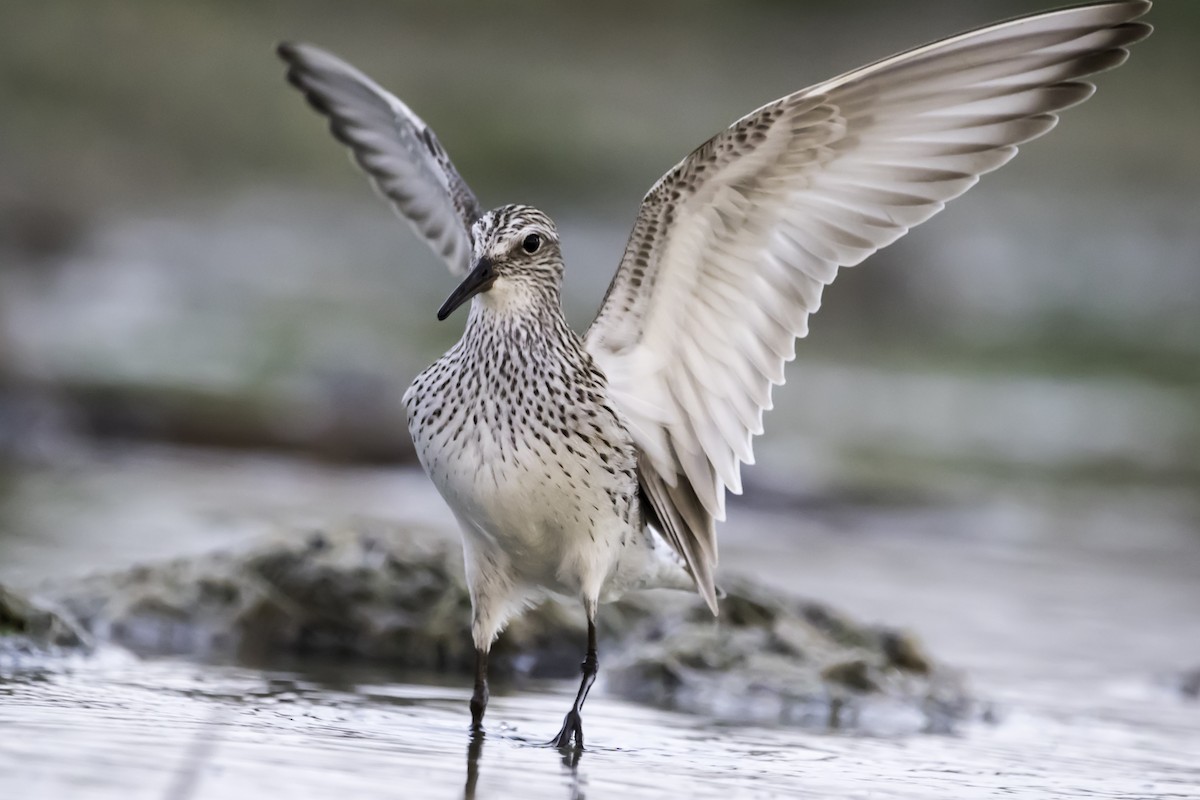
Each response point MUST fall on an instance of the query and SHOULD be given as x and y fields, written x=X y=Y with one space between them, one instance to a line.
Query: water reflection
x=199 y=755
x=569 y=756
x=474 y=751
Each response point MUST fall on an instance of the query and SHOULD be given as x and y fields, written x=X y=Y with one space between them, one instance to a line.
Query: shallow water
x=1072 y=611
x=177 y=730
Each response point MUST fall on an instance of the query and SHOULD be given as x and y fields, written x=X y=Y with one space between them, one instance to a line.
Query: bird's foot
x=479 y=703
x=572 y=727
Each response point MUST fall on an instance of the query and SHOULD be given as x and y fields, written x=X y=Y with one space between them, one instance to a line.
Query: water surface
x=1072 y=611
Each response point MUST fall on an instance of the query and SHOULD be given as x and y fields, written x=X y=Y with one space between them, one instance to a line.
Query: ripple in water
x=161 y=729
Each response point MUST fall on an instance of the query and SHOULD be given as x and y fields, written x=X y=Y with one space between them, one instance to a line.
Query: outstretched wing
x=399 y=152
x=732 y=247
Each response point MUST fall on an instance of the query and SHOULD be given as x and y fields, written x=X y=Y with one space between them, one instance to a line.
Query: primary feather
x=405 y=161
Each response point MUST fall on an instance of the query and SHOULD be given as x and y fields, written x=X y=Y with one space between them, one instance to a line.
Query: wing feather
x=400 y=153
x=732 y=248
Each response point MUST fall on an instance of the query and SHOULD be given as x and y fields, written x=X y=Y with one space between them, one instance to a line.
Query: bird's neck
x=532 y=304
x=535 y=296
x=531 y=321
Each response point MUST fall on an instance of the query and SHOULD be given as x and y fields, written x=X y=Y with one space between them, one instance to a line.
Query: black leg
x=573 y=723
x=479 y=699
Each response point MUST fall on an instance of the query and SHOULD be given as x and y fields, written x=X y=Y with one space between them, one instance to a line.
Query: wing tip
x=298 y=64
x=709 y=591
x=293 y=53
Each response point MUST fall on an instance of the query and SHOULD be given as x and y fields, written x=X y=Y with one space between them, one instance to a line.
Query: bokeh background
x=187 y=259
x=991 y=437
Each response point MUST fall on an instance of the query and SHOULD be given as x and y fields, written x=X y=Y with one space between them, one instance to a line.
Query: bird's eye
x=531 y=243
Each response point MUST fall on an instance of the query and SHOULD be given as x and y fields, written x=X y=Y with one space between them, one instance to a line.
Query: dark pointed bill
x=479 y=279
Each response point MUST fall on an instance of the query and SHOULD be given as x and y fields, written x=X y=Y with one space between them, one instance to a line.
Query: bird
x=587 y=466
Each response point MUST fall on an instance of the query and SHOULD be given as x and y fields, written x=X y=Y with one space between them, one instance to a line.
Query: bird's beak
x=479 y=279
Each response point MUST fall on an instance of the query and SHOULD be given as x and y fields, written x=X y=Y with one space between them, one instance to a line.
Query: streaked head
x=515 y=255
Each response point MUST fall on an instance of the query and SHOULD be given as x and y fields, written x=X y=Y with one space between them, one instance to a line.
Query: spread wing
x=405 y=161
x=732 y=248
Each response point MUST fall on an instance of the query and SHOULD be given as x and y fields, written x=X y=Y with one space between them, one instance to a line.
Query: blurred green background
x=186 y=255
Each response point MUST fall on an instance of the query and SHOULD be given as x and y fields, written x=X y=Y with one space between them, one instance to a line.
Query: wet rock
x=375 y=591
x=772 y=658
x=32 y=630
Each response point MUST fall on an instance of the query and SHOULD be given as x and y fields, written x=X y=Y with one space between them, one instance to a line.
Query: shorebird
x=590 y=466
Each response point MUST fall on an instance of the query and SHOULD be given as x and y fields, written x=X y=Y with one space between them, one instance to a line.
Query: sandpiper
x=590 y=466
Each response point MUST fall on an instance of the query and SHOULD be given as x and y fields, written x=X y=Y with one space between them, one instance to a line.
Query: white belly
x=554 y=493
